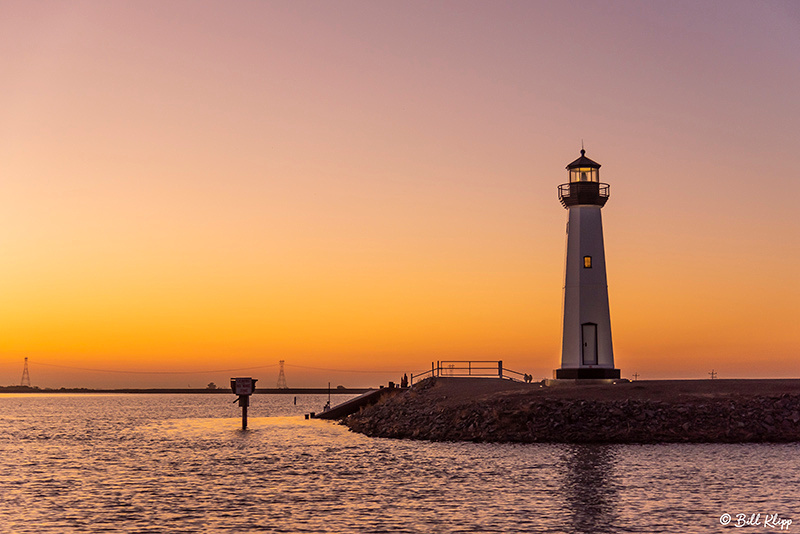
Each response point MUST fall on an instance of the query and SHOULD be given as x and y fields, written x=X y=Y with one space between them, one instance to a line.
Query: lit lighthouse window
x=584 y=174
x=587 y=262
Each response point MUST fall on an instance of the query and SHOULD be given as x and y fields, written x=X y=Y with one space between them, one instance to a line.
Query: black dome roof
x=583 y=161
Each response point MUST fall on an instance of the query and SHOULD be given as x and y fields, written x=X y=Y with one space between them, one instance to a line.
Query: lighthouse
x=586 y=349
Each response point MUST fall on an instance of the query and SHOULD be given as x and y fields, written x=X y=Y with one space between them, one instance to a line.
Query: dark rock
x=421 y=414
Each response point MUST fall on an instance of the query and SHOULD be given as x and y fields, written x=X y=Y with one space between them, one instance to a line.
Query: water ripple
x=154 y=463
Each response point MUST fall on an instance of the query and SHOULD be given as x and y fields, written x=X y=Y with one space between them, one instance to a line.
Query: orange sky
x=358 y=186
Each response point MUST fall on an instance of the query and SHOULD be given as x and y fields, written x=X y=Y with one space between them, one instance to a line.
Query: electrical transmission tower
x=26 y=376
x=282 y=377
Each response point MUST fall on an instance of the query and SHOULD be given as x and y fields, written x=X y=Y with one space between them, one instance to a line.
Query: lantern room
x=584 y=187
x=584 y=170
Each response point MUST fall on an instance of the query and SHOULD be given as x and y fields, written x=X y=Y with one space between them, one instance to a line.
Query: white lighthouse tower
x=586 y=350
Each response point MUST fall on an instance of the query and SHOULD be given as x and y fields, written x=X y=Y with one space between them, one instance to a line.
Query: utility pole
x=282 y=377
x=26 y=376
x=713 y=374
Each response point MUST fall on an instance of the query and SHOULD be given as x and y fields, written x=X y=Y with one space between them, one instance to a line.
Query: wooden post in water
x=244 y=401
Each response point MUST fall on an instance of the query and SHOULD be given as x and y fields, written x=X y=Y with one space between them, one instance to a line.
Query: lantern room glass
x=584 y=174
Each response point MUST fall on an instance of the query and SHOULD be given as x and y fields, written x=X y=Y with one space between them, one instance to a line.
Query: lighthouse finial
x=582 y=150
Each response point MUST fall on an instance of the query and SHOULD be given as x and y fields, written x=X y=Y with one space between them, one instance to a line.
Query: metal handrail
x=449 y=367
x=564 y=190
x=513 y=372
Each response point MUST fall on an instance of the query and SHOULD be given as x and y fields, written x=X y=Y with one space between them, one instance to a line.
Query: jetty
x=575 y=411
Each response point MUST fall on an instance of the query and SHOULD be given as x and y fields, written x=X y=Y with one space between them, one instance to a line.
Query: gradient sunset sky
x=193 y=186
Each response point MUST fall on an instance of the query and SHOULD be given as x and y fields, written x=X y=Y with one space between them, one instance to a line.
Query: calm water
x=180 y=463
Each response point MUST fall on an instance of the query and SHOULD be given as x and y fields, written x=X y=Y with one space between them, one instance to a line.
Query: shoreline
x=186 y=391
x=662 y=411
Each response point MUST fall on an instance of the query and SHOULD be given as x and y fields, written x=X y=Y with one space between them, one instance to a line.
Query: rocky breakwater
x=721 y=411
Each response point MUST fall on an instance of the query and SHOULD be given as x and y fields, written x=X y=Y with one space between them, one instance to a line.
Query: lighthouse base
x=587 y=372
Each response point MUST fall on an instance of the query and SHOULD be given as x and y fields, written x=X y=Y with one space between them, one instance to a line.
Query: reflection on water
x=589 y=489
x=172 y=463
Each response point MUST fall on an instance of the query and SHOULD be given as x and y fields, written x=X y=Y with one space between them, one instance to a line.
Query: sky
x=195 y=190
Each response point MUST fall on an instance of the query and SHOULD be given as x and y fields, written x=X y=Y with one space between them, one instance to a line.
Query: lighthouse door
x=589 y=344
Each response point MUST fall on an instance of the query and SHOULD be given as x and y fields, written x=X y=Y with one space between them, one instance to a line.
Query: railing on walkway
x=485 y=368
